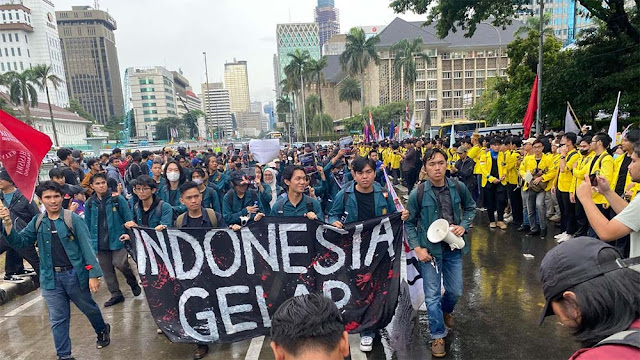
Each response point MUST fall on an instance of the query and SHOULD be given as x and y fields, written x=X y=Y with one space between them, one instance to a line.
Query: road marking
x=20 y=308
x=354 y=351
x=253 y=353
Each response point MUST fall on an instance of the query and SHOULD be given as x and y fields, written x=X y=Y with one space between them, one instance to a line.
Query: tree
x=312 y=105
x=164 y=126
x=404 y=64
x=315 y=67
x=114 y=127
x=533 y=24
x=320 y=123
x=350 y=91
x=76 y=107
x=22 y=92
x=451 y=14
x=190 y=120
x=283 y=107
x=295 y=72
x=43 y=75
x=353 y=123
x=359 y=52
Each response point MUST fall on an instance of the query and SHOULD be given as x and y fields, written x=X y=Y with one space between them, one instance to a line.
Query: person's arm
x=468 y=207
x=617 y=203
x=410 y=226
x=82 y=234
x=167 y=215
x=19 y=240
x=215 y=200
x=230 y=216
x=337 y=209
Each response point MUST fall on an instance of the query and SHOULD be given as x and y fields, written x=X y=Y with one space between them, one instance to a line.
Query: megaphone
x=440 y=231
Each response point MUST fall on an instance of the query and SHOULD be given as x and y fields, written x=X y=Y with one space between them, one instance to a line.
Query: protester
x=150 y=210
x=70 y=177
x=270 y=176
x=463 y=169
x=94 y=168
x=106 y=216
x=596 y=294
x=241 y=204
x=569 y=157
x=295 y=202
x=582 y=168
x=451 y=202
x=57 y=175
x=156 y=174
x=170 y=193
x=494 y=167
x=68 y=268
x=113 y=172
x=540 y=168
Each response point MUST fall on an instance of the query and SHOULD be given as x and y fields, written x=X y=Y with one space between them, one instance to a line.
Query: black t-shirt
x=366 y=205
x=70 y=176
x=622 y=177
x=443 y=196
x=103 y=228
x=58 y=254
x=195 y=222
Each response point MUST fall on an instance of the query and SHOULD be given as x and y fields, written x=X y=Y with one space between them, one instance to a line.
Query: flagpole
x=574 y=114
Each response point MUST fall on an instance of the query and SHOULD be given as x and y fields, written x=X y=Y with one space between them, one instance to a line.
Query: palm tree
x=359 y=52
x=284 y=106
x=315 y=67
x=313 y=105
x=404 y=64
x=22 y=92
x=43 y=75
x=533 y=24
x=350 y=91
x=296 y=70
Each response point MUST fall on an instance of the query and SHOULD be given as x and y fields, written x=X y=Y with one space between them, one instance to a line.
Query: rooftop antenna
x=96 y=4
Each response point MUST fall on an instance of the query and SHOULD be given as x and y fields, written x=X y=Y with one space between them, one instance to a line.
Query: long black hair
x=183 y=176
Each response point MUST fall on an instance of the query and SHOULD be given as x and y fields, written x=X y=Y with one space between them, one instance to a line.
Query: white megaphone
x=439 y=231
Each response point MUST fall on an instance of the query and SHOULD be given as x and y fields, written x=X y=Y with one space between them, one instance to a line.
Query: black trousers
x=582 y=225
x=14 y=263
x=495 y=200
x=567 y=213
x=515 y=198
x=410 y=177
x=624 y=243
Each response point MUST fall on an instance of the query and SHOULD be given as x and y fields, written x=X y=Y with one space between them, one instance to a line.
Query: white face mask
x=173 y=176
x=197 y=181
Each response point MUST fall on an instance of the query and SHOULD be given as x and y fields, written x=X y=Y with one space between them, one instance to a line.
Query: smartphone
x=593 y=179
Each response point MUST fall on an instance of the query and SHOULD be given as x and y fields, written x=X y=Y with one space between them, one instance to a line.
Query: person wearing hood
x=270 y=178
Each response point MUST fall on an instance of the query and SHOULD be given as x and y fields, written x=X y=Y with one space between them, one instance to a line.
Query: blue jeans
x=68 y=288
x=450 y=270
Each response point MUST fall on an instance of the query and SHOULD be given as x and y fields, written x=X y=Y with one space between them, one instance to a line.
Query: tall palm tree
x=404 y=64
x=43 y=75
x=350 y=91
x=284 y=106
x=533 y=24
x=315 y=67
x=296 y=71
x=359 y=52
x=313 y=105
x=22 y=92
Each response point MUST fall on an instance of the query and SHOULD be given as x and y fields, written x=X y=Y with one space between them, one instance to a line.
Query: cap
x=76 y=153
x=461 y=149
x=4 y=175
x=276 y=160
x=528 y=141
x=574 y=262
x=76 y=189
x=237 y=177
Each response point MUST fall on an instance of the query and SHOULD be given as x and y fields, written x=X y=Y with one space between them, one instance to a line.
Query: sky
x=174 y=34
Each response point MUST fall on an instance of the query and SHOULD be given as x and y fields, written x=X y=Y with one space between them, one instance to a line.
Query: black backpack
x=628 y=337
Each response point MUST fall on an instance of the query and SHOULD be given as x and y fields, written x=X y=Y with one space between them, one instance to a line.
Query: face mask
x=615 y=156
x=198 y=181
x=173 y=176
x=584 y=152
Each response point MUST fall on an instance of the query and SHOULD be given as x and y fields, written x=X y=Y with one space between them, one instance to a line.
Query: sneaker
x=27 y=271
x=523 y=228
x=543 y=233
x=559 y=236
x=508 y=220
x=366 y=343
x=200 y=352
x=448 y=320
x=437 y=348
x=564 y=238
x=502 y=225
x=528 y=256
x=114 y=300
x=482 y=209
x=533 y=232
x=555 y=218
x=492 y=225
x=136 y=290
x=13 y=279
x=104 y=338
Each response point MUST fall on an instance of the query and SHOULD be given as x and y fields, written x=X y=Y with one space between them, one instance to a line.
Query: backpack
x=213 y=220
x=627 y=337
x=66 y=216
x=157 y=210
x=307 y=200
x=128 y=175
x=421 y=196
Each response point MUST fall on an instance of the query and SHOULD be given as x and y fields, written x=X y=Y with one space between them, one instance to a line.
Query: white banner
x=264 y=151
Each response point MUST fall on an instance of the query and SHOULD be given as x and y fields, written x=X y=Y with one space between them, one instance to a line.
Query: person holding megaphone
x=439 y=248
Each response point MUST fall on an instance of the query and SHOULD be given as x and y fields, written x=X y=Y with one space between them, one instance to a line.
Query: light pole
x=206 y=106
x=304 y=110
x=539 y=113
x=500 y=44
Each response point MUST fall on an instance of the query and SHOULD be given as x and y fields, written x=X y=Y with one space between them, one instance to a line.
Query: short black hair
x=604 y=137
x=56 y=173
x=92 y=162
x=572 y=137
x=431 y=153
x=198 y=170
x=537 y=141
x=116 y=151
x=136 y=156
x=104 y=155
x=633 y=135
x=287 y=174
x=48 y=185
x=63 y=154
x=188 y=186
x=307 y=321
x=145 y=154
x=359 y=163
x=183 y=177
x=496 y=141
x=586 y=139
x=146 y=180
x=98 y=175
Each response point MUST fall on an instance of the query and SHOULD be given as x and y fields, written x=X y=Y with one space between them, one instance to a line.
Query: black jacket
x=21 y=208
x=465 y=172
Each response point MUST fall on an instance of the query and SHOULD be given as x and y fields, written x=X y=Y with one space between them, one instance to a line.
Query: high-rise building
x=236 y=80
x=193 y=101
x=149 y=92
x=328 y=19
x=289 y=37
x=91 y=60
x=567 y=17
x=249 y=123
x=30 y=37
x=180 y=86
x=269 y=109
x=216 y=104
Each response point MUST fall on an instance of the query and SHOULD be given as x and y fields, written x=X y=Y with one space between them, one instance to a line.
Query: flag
x=366 y=133
x=400 y=132
x=22 y=149
x=527 y=122
x=452 y=140
x=392 y=131
x=613 y=127
x=624 y=133
x=569 y=123
x=406 y=116
x=412 y=125
x=372 y=127
x=426 y=120
x=381 y=134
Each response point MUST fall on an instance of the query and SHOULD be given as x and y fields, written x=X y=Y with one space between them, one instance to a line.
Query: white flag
x=452 y=140
x=613 y=127
x=569 y=123
x=412 y=124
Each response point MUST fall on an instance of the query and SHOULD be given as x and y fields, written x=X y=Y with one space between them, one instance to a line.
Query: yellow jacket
x=486 y=162
x=582 y=168
x=529 y=164
x=394 y=160
x=451 y=159
x=604 y=166
x=565 y=177
x=475 y=153
x=512 y=167
x=616 y=174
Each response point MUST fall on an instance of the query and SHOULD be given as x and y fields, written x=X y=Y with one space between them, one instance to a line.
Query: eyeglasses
x=142 y=189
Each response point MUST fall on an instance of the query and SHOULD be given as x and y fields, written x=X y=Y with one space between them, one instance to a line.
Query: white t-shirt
x=629 y=217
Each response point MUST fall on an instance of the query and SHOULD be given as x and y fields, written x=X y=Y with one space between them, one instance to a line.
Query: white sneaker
x=564 y=238
x=528 y=256
x=366 y=343
x=559 y=236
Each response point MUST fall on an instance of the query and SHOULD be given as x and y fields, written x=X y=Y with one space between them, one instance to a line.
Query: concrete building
x=327 y=17
x=568 y=17
x=29 y=35
x=193 y=101
x=453 y=79
x=289 y=37
x=335 y=45
x=71 y=128
x=236 y=80
x=256 y=106
x=180 y=86
x=269 y=109
x=216 y=104
x=149 y=92
x=249 y=123
x=91 y=60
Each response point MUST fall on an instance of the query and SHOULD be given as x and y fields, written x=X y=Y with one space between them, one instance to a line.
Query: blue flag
x=391 y=130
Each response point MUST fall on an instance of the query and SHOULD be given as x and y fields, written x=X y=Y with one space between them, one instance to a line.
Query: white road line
x=354 y=344
x=20 y=308
x=254 y=348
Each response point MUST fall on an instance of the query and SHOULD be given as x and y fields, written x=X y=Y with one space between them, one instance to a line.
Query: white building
x=29 y=37
x=216 y=104
x=71 y=127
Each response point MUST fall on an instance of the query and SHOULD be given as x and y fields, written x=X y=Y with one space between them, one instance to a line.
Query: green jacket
x=289 y=210
x=464 y=211
x=78 y=248
x=118 y=213
x=384 y=205
x=162 y=216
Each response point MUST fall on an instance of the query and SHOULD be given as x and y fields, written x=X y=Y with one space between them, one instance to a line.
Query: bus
x=513 y=128
x=462 y=128
x=274 y=135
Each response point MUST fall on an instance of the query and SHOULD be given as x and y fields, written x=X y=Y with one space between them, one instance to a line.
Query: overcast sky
x=175 y=33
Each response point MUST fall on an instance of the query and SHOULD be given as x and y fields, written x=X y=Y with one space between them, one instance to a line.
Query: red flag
x=531 y=109
x=22 y=149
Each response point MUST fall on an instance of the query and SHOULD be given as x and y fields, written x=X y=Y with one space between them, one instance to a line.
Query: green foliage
x=22 y=91
x=164 y=125
x=113 y=127
x=359 y=52
x=314 y=69
x=354 y=123
x=349 y=92
x=321 y=124
x=190 y=120
x=404 y=63
x=76 y=107
x=312 y=105
x=382 y=115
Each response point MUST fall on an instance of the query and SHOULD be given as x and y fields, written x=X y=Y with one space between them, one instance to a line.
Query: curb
x=9 y=290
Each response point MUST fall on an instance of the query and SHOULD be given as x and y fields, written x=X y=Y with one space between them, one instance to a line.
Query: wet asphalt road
x=495 y=319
